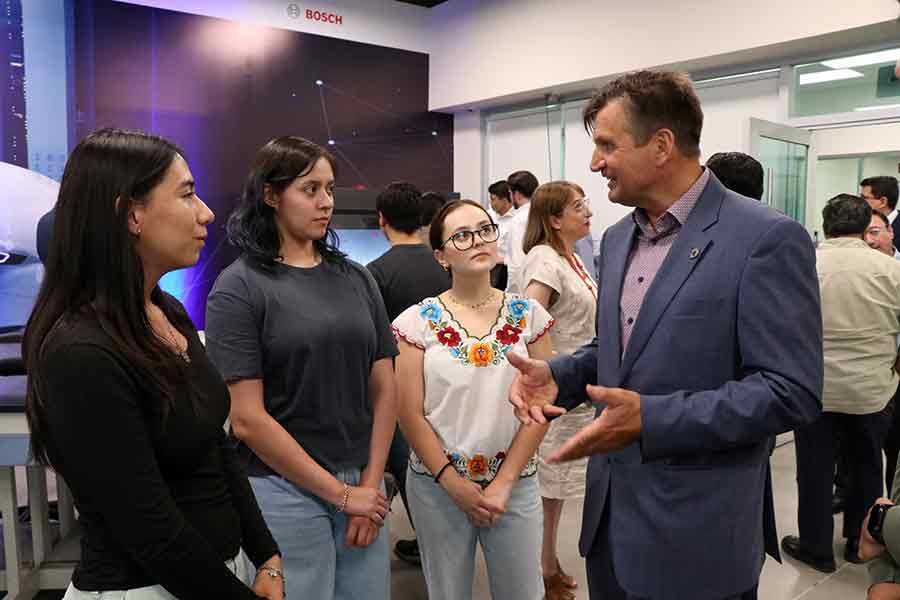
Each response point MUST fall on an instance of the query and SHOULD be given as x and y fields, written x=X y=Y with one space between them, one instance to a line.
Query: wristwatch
x=876 y=522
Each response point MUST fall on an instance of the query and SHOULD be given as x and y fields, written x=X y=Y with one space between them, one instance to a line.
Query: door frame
x=760 y=128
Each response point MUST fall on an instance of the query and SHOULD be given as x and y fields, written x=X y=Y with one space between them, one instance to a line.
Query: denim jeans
x=310 y=533
x=239 y=565
x=512 y=547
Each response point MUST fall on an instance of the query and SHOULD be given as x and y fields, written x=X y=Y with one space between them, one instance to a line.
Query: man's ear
x=664 y=145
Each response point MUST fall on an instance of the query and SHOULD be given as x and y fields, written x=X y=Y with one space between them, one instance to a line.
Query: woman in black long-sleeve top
x=122 y=400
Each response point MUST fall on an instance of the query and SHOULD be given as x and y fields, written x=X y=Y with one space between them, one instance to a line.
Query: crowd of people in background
x=496 y=362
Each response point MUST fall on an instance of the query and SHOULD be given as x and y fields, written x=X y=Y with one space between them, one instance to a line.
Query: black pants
x=398 y=460
x=861 y=439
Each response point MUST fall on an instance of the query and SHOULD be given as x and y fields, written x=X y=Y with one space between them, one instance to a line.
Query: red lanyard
x=578 y=266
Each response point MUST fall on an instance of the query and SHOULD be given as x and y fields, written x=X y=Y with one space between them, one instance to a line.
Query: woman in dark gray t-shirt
x=301 y=335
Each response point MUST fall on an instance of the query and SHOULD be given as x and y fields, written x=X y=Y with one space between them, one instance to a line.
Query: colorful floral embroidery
x=481 y=354
x=518 y=308
x=449 y=337
x=478 y=468
x=432 y=312
x=508 y=335
x=484 y=352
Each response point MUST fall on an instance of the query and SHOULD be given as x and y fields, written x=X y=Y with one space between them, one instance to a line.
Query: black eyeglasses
x=465 y=239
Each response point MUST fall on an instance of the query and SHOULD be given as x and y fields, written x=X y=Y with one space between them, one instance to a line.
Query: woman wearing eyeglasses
x=471 y=474
x=555 y=276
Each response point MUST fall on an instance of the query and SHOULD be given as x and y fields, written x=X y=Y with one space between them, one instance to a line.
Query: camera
x=876 y=522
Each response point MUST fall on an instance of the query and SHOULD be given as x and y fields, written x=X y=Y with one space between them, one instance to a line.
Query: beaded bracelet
x=346 y=500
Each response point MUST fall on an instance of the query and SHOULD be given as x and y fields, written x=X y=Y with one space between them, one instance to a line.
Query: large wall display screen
x=219 y=89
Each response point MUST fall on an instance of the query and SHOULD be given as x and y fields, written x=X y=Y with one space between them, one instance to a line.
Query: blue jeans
x=512 y=547
x=310 y=533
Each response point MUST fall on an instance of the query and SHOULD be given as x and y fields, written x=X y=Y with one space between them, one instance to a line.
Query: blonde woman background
x=555 y=276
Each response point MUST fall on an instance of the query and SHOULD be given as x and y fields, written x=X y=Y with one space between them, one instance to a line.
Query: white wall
x=727 y=110
x=540 y=45
x=529 y=142
x=380 y=22
x=833 y=177
x=579 y=148
x=867 y=139
x=467 y=155
x=876 y=166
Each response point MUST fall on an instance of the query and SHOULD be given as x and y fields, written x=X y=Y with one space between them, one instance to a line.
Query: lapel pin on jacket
x=695 y=252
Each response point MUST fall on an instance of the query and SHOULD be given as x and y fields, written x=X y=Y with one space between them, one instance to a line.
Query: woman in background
x=301 y=335
x=555 y=276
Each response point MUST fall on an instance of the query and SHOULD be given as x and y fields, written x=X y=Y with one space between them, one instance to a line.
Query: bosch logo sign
x=321 y=16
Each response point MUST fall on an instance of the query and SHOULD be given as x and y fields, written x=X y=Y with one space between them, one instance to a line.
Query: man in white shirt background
x=881 y=194
x=880 y=235
x=502 y=212
x=521 y=187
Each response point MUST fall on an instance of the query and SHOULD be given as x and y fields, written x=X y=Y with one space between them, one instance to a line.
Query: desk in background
x=53 y=555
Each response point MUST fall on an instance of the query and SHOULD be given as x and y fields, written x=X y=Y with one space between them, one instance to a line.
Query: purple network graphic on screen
x=220 y=90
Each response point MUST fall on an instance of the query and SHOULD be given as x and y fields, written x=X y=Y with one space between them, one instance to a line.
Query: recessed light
x=825 y=76
x=861 y=60
x=876 y=107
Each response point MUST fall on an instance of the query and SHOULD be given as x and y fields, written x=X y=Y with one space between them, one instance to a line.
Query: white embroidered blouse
x=467 y=381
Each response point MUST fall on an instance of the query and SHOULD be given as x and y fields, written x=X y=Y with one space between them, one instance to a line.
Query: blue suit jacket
x=726 y=353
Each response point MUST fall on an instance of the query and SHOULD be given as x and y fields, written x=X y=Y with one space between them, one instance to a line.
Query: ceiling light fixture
x=876 y=107
x=862 y=60
x=826 y=76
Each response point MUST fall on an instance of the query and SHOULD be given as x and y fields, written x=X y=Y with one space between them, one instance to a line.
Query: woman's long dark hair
x=93 y=269
x=252 y=227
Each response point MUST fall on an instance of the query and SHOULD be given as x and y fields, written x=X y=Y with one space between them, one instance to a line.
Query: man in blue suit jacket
x=718 y=352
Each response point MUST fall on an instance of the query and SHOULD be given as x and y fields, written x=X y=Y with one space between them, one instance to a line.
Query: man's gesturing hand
x=617 y=426
x=534 y=391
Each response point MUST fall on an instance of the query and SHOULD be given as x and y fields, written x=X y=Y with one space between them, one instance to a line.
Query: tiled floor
x=788 y=581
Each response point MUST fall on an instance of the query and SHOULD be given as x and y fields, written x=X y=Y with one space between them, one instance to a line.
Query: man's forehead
x=609 y=119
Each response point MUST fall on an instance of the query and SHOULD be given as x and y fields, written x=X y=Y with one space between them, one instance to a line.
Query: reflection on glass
x=784 y=164
x=859 y=83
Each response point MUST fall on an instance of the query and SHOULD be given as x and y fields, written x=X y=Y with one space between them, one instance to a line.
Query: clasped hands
x=366 y=511
x=482 y=506
x=534 y=391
